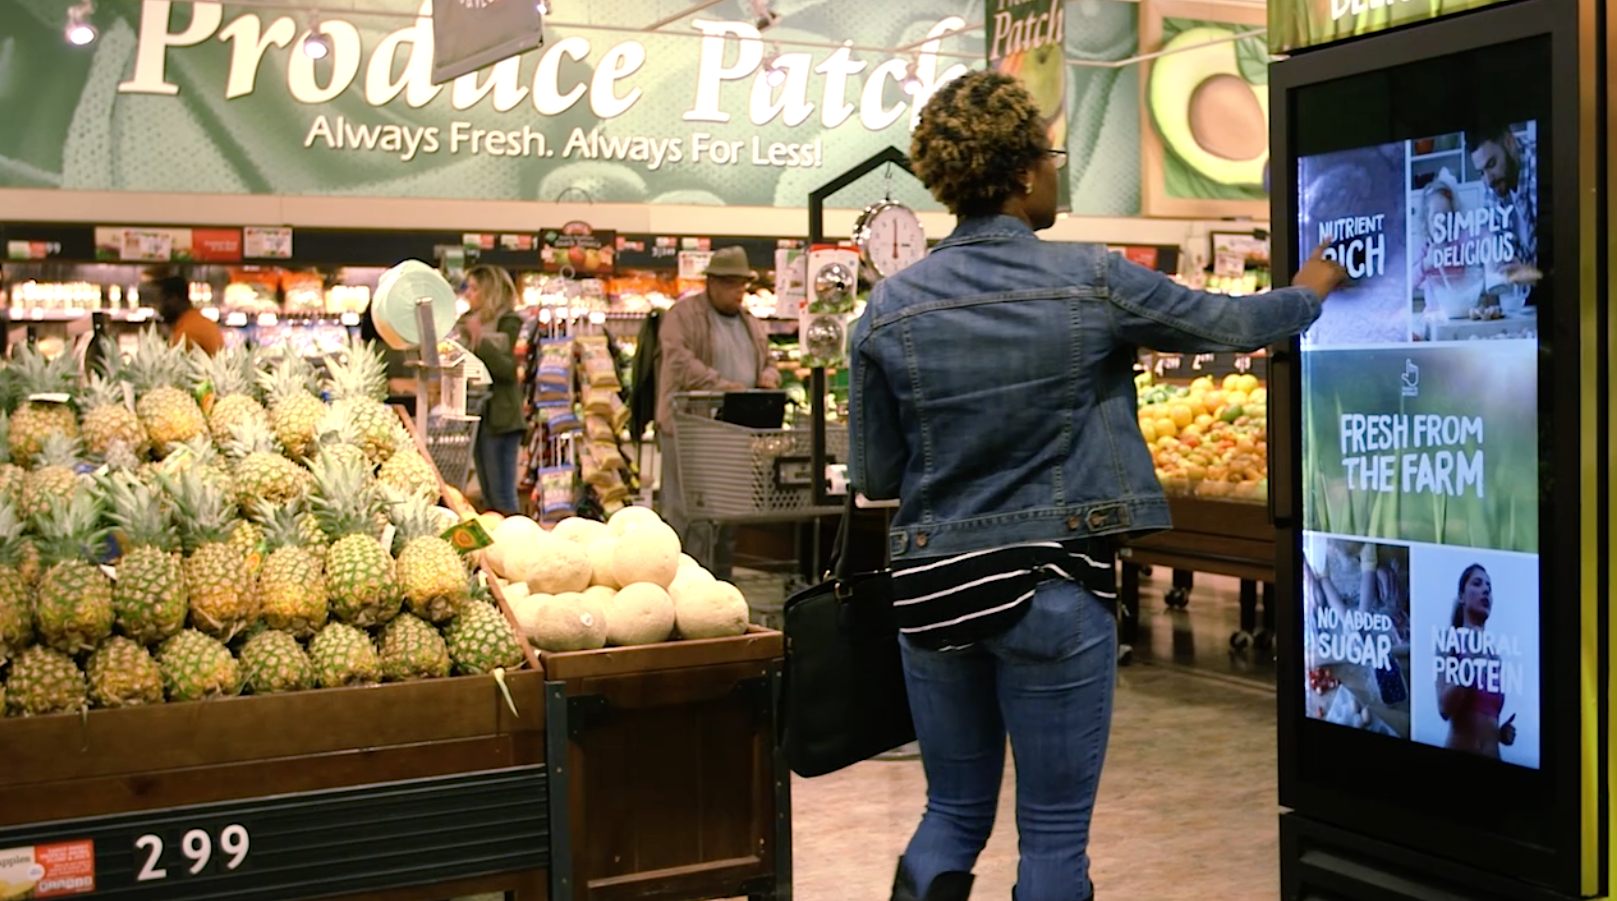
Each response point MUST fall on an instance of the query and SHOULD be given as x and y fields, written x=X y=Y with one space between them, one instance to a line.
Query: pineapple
x=430 y=570
x=358 y=385
x=158 y=371
x=411 y=649
x=197 y=667
x=292 y=585
x=337 y=435
x=149 y=596
x=313 y=538
x=55 y=475
x=261 y=472
x=248 y=538
x=217 y=576
x=108 y=421
x=273 y=661
x=36 y=419
x=45 y=681
x=481 y=640
x=11 y=475
x=198 y=454
x=407 y=472
x=359 y=571
x=122 y=674
x=294 y=409
x=231 y=379
x=74 y=604
x=16 y=609
x=343 y=655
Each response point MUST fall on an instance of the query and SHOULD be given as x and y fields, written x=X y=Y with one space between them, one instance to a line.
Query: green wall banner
x=468 y=35
x=1026 y=39
x=1300 y=24
x=217 y=98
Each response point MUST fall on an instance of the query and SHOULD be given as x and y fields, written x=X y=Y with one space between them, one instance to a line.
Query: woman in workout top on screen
x=1473 y=711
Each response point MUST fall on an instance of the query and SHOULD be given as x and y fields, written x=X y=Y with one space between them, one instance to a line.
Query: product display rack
x=1220 y=527
x=518 y=783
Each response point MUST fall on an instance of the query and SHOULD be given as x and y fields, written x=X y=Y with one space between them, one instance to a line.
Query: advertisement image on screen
x=1356 y=634
x=1475 y=650
x=1420 y=441
x=1474 y=246
x=1352 y=202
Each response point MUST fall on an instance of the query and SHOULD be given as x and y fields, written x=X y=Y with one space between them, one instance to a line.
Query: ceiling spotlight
x=544 y=7
x=774 y=71
x=912 y=83
x=80 y=30
x=316 y=45
x=763 y=18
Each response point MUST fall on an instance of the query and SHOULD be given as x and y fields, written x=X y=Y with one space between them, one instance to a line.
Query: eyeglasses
x=1056 y=153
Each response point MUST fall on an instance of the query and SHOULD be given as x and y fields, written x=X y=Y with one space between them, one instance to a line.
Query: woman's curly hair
x=976 y=134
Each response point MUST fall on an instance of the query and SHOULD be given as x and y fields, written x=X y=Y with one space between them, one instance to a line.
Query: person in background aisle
x=993 y=396
x=186 y=323
x=708 y=343
x=490 y=328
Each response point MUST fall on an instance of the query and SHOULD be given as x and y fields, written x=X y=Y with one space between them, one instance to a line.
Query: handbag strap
x=839 y=552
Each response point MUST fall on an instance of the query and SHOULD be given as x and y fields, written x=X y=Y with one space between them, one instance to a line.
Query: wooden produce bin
x=1226 y=538
x=420 y=790
x=676 y=789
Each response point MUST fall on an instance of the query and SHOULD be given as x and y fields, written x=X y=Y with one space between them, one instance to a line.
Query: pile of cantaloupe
x=585 y=584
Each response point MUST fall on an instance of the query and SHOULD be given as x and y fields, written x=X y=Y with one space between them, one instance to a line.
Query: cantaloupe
x=601 y=552
x=710 y=610
x=549 y=566
x=569 y=622
x=641 y=613
x=513 y=532
x=580 y=530
x=647 y=553
x=630 y=518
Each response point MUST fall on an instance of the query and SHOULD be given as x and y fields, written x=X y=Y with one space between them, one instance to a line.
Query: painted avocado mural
x=1207 y=100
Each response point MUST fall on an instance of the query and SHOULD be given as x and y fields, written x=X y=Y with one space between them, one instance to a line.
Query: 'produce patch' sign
x=1026 y=40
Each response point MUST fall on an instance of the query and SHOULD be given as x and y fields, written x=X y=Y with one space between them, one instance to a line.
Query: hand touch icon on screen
x=1411 y=374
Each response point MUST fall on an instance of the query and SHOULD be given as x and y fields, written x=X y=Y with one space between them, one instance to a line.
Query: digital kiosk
x=1443 y=542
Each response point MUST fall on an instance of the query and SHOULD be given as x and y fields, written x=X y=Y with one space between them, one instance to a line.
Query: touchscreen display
x=1420 y=441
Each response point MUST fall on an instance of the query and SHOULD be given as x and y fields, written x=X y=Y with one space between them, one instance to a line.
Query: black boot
x=946 y=887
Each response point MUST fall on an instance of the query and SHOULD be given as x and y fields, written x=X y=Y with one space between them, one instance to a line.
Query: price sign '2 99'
x=196 y=846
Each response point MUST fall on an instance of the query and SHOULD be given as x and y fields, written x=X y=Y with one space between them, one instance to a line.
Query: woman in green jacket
x=490 y=327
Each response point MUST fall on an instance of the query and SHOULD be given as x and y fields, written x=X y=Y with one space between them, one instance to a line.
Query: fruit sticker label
x=47 y=871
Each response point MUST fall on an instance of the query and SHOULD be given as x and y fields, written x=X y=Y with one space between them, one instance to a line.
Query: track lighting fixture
x=774 y=70
x=763 y=17
x=544 y=7
x=80 y=30
x=316 y=45
x=912 y=84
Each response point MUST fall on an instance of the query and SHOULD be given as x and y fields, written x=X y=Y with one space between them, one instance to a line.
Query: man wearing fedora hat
x=708 y=343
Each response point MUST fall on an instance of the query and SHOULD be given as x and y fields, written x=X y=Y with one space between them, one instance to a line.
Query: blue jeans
x=497 y=470
x=1048 y=682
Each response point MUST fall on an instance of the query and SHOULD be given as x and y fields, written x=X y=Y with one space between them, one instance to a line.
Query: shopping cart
x=452 y=439
x=734 y=474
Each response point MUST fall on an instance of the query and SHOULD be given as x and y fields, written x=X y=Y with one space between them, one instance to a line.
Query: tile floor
x=1187 y=808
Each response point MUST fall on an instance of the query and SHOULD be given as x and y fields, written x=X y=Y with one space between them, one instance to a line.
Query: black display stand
x=1383 y=818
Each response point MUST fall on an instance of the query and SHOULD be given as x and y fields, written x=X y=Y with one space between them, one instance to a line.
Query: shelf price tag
x=1199 y=359
x=1169 y=363
x=1243 y=363
x=275 y=848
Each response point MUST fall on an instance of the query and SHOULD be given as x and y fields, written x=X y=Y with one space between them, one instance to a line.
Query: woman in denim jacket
x=993 y=396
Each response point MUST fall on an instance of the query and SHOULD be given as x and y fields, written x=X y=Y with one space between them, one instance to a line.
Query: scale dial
x=890 y=238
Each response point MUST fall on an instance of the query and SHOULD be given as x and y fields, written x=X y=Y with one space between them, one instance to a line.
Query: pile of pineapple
x=154 y=546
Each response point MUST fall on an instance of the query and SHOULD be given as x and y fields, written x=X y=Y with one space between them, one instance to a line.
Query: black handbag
x=845 y=699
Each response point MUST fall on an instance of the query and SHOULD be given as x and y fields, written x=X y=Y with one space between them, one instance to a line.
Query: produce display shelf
x=1224 y=538
x=676 y=788
x=136 y=799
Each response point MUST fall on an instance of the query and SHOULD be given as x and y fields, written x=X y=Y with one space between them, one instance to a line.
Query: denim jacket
x=993 y=386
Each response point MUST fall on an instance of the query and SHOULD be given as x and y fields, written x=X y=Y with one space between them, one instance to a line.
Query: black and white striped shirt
x=952 y=602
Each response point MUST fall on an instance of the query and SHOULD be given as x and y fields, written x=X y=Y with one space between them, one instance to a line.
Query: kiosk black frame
x=1538 y=846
